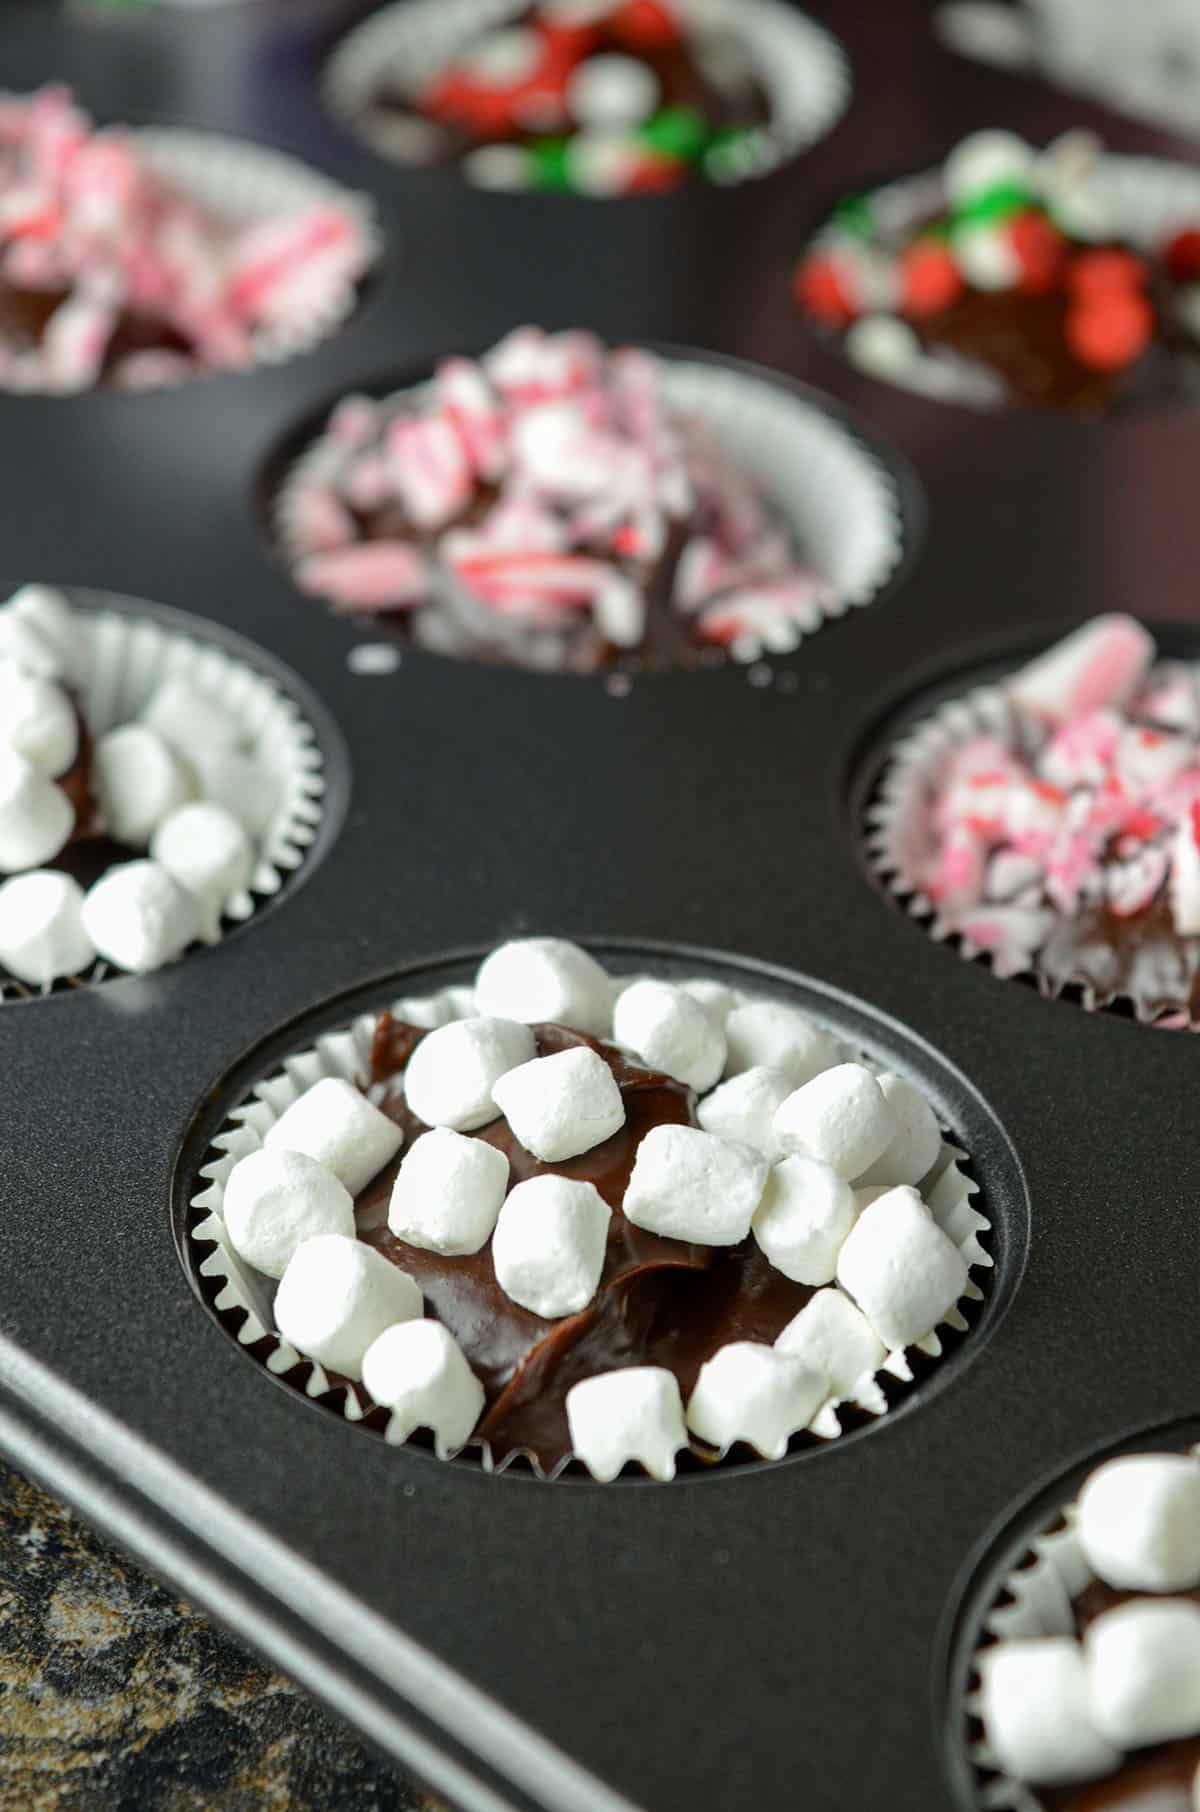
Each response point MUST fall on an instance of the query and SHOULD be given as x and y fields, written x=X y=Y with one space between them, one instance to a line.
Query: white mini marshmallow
x=904 y=1273
x=803 y=1219
x=561 y=1106
x=717 y=1000
x=669 y=1031
x=549 y=1245
x=275 y=1200
x=448 y=1192
x=37 y=720
x=613 y=91
x=1035 y=1712
x=337 y=1296
x=748 y=1392
x=834 y=1338
x=418 y=1371
x=1139 y=1522
x=139 y=780
x=36 y=817
x=209 y=853
x=451 y=1074
x=239 y=783
x=39 y=618
x=985 y=160
x=336 y=1124
x=139 y=917
x=539 y=980
x=1143 y=1668
x=636 y=1414
x=189 y=717
x=840 y=1117
x=41 y=928
x=690 y=1185
x=913 y=1149
x=768 y=1032
x=744 y=1108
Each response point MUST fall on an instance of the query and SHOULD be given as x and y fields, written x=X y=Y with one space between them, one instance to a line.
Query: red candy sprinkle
x=646 y=25
x=929 y=278
x=1183 y=256
x=818 y=288
x=1108 y=332
x=1040 y=249
x=1094 y=275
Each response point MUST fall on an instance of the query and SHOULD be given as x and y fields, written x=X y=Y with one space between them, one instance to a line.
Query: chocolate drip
x=1141 y=958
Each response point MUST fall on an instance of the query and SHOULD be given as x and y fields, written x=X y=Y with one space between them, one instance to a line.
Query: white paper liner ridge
x=840 y=500
x=802 y=67
x=128 y=658
x=346 y=1054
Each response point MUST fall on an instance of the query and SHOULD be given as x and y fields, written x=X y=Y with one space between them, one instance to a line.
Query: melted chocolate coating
x=1141 y=958
x=660 y=1301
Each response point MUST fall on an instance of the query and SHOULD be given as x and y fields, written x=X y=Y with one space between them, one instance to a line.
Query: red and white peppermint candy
x=1082 y=751
x=431 y=469
x=372 y=575
x=1185 y=874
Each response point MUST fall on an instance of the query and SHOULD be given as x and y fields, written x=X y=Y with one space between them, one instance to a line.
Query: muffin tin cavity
x=806 y=513
x=267 y=785
x=974 y=1192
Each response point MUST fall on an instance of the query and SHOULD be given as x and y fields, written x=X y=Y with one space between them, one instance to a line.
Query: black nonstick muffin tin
x=753 y=1640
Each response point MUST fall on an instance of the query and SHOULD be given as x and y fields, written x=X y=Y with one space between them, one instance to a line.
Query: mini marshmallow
x=669 y=1031
x=188 y=717
x=1143 y=1671
x=275 y=1200
x=561 y=1106
x=337 y=1296
x=612 y=91
x=451 y=1074
x=717 y=1000
x=985 y=160
x=38 y=631
x=336 y=1124
x=41 y=928
x=636 y=1414
x=768 y=1032
x=841 y=1117
x=1139 y=1522
x=209 y=853
x=748 y=1392
x=36 y=817
x=37 y=720
x=803 y=1219
x=915 y=1145
x=904 y=1273
x=417 y=1370
x=744 y=1108
x=692 y=1185
x=139 y=780
x=139 y=917
x=833 y=1338
x=239 y=783
x=1035 y=1712
x=537 y=980
x=549 y=1245
x=448 y=1192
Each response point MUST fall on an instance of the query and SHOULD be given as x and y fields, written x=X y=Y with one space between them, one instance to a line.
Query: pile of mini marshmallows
x=1092 y=800
x=179 y=781
x=1057 y=1709
x=818 y=1158
x=82 y=212
x=595 y=119
x=584 y=475
x=1020 y=220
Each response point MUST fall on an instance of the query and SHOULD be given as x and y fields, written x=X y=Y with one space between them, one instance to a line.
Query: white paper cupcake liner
x=240 y=1295
x=247 y=184
x=1034 y=1600
x=897 y=840
x=802 y=68
x=128 y=657
x=838 y=497
x=1149 y=197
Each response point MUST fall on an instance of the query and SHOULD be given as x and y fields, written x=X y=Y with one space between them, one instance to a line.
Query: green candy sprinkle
x=548 y=163
x=854 y=215
x=678 y=132
x=998 y=203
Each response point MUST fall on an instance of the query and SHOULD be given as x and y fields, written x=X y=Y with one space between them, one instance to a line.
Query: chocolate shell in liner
x=802 y=68
x=126 y=657
x=242 y=1298
x=838 y=498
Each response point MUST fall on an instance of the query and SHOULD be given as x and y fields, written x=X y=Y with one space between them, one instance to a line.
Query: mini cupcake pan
x=753 y=1638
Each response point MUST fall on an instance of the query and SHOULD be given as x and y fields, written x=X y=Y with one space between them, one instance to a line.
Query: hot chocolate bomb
x=626 y=1255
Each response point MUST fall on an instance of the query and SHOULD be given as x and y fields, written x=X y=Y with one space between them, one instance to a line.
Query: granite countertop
x=116 y=1697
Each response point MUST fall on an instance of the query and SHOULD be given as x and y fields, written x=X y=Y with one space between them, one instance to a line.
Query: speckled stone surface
x=115 y=1696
